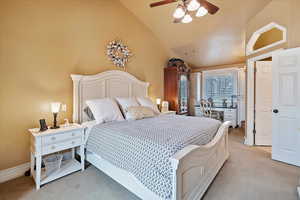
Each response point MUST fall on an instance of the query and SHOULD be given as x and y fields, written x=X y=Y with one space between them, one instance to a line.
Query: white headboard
x=112 y=83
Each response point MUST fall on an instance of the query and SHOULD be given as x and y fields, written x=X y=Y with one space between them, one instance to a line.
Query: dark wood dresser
x=176 y=87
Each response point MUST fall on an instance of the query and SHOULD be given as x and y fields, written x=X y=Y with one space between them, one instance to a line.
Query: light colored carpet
x=249 y=174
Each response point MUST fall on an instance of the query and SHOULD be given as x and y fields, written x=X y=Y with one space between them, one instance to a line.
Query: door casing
x=249 y=139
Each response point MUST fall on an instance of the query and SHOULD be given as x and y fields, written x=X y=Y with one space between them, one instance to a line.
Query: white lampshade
x=201 y=12
x=179 y=12
x=55 y=107
x=187 y=19
x=193 y=5
x=165 y=104
x=158 y=101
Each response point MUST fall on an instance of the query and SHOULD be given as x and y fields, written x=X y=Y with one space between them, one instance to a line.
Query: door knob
x=275 y=111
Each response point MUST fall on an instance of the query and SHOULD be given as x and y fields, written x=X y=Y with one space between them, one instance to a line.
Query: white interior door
x=263 y=103
x=286 y=106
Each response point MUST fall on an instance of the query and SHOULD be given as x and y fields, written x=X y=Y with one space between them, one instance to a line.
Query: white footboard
x=195 y=167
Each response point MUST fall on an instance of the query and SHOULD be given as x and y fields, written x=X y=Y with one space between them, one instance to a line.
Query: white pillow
x=138 y=112
x=147 y=102
x=105 y=110
x=126 y=103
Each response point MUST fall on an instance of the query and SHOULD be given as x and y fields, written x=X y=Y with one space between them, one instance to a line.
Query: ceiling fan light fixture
x=193 y=5
x=187 y=19
x=179 y=12
x=201 y=12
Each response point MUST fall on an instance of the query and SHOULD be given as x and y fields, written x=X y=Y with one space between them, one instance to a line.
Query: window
x=219 y=86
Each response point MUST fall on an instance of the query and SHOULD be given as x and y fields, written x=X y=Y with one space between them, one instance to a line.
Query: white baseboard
x=14 y=172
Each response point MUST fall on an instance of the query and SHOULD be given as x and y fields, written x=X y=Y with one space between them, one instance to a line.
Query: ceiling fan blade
x=160 y=3
x=211 y=8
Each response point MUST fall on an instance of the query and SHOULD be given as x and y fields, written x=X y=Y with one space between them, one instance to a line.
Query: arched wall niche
x=266 y=37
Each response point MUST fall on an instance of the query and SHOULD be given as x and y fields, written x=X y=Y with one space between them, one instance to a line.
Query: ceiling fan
x=189 y=8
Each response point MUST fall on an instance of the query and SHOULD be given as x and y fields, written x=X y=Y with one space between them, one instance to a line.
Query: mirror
x=183 y=93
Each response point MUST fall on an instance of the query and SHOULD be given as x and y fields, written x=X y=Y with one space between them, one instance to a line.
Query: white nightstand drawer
x=61 y=146
x=51 y=139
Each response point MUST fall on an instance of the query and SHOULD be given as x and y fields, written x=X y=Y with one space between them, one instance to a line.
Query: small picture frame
x=43 y=125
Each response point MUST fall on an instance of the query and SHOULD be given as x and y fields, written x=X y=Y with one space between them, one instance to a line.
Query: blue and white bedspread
x=144 y=147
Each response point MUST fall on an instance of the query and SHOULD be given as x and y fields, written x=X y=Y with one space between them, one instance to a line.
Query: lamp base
x=159 y=107
x=55 y=127
x=55 y=121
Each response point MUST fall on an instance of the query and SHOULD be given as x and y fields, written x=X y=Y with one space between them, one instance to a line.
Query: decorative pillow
x=105 y=110
x=126 y=103
x=89 y=114
x=138 y=112
x=147 y=102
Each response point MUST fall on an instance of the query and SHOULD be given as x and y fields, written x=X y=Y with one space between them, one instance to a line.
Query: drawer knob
x=73 y=134
x=53 y=138
x=73 y=142
x=53 y=147
x=275 y=111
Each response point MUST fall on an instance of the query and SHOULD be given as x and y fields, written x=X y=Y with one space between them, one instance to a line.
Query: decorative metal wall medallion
x=118 y=53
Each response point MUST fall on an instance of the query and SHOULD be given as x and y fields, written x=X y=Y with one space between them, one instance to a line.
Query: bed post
x=190 y=165
x=175 y=189
x=76 y=97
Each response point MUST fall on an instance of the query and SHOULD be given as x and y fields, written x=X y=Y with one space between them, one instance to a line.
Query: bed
x=191 y=168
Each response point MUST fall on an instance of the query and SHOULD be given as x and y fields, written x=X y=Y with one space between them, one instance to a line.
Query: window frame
x=220 y=72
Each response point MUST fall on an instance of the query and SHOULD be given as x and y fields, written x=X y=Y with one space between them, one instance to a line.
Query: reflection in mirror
x=183 y=93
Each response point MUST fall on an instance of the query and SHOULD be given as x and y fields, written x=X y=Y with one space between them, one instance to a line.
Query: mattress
x=144 y=147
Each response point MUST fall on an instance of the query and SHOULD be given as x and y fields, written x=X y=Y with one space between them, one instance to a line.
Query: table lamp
x=158 y=101
x=55 y=107
x=165 y=106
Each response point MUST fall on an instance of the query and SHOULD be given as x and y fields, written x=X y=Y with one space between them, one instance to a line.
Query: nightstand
x=170 y=112
x=53 y=141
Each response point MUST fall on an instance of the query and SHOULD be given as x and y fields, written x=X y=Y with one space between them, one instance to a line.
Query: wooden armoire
x=176 y=86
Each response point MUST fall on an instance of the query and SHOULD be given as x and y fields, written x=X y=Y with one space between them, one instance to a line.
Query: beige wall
x=294 y=40
x=282 y=12
x=43 y=42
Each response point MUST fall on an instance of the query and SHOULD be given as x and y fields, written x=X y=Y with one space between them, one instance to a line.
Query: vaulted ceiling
x=207 y=41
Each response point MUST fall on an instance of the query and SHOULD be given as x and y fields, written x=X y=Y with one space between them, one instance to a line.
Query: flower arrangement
x=118 y=53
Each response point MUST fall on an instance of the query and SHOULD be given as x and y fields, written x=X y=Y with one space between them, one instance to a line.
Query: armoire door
x=286 y=106
x=183 y=93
